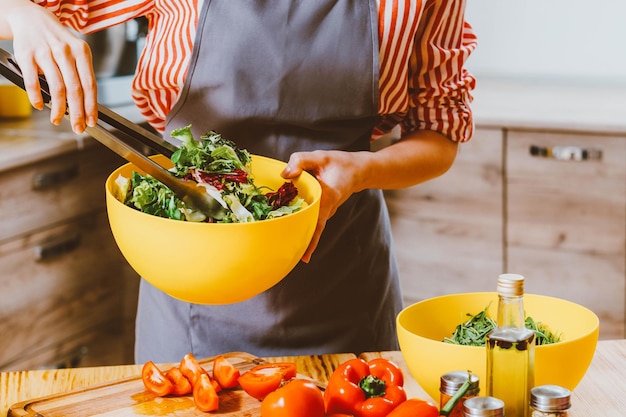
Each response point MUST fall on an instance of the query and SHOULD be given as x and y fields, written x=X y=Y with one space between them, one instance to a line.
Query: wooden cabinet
x=566 y=219
x=448 y=231
x=67 y=293
x=559 y=222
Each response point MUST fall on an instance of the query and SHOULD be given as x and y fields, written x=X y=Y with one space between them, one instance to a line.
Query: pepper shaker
x=483 y=407
x=549 y=401
x=450 y=383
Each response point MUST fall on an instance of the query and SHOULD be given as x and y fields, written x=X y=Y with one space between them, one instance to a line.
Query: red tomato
x=259 y=381
x=204 y=394
x=298 y=397
x=414 y=407
x=190 y=367
x=155 y=380
x=225 y=373
x=181 y=384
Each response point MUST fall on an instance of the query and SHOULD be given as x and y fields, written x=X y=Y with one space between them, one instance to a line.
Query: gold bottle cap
x=511 y=285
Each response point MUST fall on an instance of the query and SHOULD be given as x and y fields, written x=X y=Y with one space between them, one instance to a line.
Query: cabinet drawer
x=566 y=219
x=447 y=232
x=567 y=204
x=97 y=346
x=58 y=283
x=35 y=196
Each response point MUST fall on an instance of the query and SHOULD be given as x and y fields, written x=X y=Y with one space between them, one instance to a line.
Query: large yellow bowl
x=212 y=263
x=423 y=325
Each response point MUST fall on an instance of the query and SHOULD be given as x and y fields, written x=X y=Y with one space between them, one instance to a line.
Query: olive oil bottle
x=511 y=350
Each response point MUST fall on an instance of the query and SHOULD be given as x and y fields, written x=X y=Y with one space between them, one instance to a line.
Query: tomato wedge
x=155 y=380
x=259 y=381
x=225 y=373
x=180 y=382
x=190 y=367
x=204 y=394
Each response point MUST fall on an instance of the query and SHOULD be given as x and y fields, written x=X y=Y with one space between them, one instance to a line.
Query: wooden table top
x=602 y=392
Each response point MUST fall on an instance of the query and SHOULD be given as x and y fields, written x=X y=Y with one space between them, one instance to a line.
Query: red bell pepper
x=365 y=389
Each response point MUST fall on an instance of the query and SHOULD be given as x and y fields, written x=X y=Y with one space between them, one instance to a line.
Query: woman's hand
x=42 y=45
x=339 y=174
x=418 y=157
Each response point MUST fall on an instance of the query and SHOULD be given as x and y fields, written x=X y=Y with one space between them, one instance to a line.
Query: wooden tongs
x=128 y=145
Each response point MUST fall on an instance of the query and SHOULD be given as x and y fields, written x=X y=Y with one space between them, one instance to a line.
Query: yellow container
x=423 y=325
x=13 y=101
x=215 y=263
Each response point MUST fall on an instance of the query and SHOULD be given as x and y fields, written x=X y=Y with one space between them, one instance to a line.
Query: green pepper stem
x=372 y=386
x=452 y=402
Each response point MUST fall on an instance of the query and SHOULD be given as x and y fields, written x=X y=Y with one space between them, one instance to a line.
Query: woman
x=306 y=82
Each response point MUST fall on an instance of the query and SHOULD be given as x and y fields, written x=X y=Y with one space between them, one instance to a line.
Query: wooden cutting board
x=128 y=397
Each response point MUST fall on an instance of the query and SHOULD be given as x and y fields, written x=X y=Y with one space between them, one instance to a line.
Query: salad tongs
x=128 y=144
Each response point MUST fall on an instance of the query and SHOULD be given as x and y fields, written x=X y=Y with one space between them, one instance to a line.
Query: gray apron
x=278 y=77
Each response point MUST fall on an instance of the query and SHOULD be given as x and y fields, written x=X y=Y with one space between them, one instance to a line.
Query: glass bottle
x=450 y=384
x=483 y=407
x=549 y=401
x=511 y=350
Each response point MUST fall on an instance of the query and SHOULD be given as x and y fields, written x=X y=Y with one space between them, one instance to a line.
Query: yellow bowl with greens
x=215 y=263
x=423 y=326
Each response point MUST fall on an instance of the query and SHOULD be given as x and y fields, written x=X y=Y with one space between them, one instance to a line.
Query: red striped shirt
x=423 y=45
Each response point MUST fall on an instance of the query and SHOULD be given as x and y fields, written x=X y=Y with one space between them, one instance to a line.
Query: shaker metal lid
x=483 y=407
x=550 y=398
x=452 y=381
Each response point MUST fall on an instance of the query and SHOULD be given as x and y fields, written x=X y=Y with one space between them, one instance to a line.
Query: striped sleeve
x=437 y=87
x=162 y=66
x=87 y=16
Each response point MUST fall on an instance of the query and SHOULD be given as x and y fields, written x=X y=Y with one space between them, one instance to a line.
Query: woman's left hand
x=415 y=158
x=338 y=172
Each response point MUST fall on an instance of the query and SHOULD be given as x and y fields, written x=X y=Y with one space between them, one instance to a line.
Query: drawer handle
x=57 y=247
x=566 y=153
x=45 y=180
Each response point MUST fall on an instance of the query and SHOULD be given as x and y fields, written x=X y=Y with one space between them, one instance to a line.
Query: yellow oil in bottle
x=511 y=351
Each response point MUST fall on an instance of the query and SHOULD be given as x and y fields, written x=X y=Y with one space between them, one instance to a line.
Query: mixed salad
x=216 y=164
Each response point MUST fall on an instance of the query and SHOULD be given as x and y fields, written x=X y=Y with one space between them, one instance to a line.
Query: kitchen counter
x=28 y=140
x=549 y=105
x=600 y=393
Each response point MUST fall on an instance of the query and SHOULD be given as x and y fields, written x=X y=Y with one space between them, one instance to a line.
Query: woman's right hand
x=42 y=45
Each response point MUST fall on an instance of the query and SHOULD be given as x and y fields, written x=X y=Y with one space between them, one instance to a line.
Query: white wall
x=567 y=41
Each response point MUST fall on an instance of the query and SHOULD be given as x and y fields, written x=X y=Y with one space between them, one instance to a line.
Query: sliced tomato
x=155 y=380
x=180 y=382
x=260 y=384
x=288 y=369
x=204 y=394
x=298 y=397
x=265 y=378
x=190 y=367
x=225 y=373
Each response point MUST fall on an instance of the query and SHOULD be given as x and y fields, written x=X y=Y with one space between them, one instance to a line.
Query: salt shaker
x=549 y=401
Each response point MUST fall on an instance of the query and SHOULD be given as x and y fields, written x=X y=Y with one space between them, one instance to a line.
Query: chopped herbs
x=543 y=334
x=473 y=331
